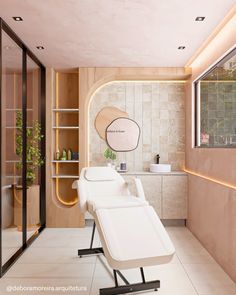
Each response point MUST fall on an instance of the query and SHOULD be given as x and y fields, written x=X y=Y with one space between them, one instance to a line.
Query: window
x=215 y=105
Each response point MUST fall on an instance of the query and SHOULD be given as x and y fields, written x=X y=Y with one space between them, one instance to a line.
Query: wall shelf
x=66 y=127
x=16 y=110
x=66 y=110
x=14 y=127
x=16 y=161
x=65 y=176
x=65 y=161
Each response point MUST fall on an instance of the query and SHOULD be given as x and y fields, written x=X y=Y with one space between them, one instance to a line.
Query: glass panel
x=217 y=105
x=11 y=147
x=34 y=159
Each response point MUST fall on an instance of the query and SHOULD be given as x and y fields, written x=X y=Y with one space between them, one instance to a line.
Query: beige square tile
x=193 y=257
x=53 y=270
x=173 y=278
x=54 y=255
x=206 y=289
x=152 y=190
x=99 y=283
x=174 y=197
x=57 y=238
x=102 y=269
x=209 y=274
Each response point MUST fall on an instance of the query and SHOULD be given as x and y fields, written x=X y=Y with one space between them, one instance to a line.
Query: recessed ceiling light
x=17 y=18
x=40 y=47
x=199 y=18
x=181 y=47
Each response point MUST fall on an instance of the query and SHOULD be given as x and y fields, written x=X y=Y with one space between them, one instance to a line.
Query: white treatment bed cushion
x=133 y=237
x=100 y=174
x=107 y=202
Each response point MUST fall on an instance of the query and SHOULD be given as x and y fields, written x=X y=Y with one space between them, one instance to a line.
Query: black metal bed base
x=123 y=289
x=83 y=252
x=131 y=288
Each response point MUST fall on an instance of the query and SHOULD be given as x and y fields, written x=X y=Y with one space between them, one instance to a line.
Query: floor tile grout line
x=95 y=263
x=4 y=279
x=91 y=285
x=194 y=287
x=52 y=263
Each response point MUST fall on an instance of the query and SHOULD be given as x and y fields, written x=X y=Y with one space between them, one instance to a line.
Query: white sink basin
x=160 y=168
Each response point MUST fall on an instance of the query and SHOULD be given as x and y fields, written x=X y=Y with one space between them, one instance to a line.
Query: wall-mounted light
x=40 y=47
x=199 y=18
x=17 y=18
x=181 y=47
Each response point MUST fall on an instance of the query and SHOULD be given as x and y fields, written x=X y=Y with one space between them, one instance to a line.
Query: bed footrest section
x=131 y=288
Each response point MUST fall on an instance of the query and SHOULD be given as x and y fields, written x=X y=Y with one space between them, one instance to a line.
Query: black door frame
x=25 y=52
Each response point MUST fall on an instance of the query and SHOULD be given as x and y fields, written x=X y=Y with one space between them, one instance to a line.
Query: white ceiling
x=121 y=33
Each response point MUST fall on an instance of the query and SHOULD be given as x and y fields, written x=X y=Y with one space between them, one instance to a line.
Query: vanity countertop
x=153 y=173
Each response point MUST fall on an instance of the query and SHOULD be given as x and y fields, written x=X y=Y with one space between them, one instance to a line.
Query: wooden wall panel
x=58 y=215
x=90 y=79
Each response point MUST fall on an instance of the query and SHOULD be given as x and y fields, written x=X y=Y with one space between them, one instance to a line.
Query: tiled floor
x=52 y=261
x=12 y=241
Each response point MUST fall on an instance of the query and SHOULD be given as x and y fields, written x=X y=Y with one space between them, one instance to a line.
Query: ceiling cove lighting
x=17 y=18
x=199 y=18
x=181 y=47
x=40 y=47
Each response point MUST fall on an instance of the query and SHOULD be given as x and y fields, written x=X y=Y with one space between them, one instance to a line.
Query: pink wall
x=212 y=219
x=212 y=207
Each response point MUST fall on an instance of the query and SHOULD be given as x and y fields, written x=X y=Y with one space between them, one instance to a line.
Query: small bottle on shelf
x=57 y=155
x=75 y=156
x=69 y=155
x=64 y=155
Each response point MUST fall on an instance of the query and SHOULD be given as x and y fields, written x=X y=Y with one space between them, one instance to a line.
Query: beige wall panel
x=174 y=197
x=151 y=105
x=152 y=190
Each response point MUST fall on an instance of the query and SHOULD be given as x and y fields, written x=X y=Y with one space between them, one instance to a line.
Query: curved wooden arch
x=91 y=80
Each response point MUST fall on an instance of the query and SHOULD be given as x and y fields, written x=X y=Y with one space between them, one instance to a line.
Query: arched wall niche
x=91 y=80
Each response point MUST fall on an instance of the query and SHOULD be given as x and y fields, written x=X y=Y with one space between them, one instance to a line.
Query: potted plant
x=34 y=160
x=111 y=157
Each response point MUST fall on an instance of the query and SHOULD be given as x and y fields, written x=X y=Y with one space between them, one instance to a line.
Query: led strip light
x=210 y=179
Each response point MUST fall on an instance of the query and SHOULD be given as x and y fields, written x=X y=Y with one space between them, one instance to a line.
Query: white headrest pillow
x=100 y=174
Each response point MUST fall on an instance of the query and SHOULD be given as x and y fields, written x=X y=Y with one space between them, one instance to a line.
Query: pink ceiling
x=106 y=33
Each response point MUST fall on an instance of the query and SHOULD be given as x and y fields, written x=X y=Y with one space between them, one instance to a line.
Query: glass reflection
x=217 y=99
x=34 y=158
x=11 y=161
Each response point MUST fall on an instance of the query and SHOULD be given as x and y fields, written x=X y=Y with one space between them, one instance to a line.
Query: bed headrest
x=100 y=174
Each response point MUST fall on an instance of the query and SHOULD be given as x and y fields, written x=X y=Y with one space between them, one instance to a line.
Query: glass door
x=22 y=148
x=34 y=156
x=11 y=148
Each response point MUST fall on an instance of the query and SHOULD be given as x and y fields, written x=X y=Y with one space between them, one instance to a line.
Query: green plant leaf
x=109 y=154
x=33 y=153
